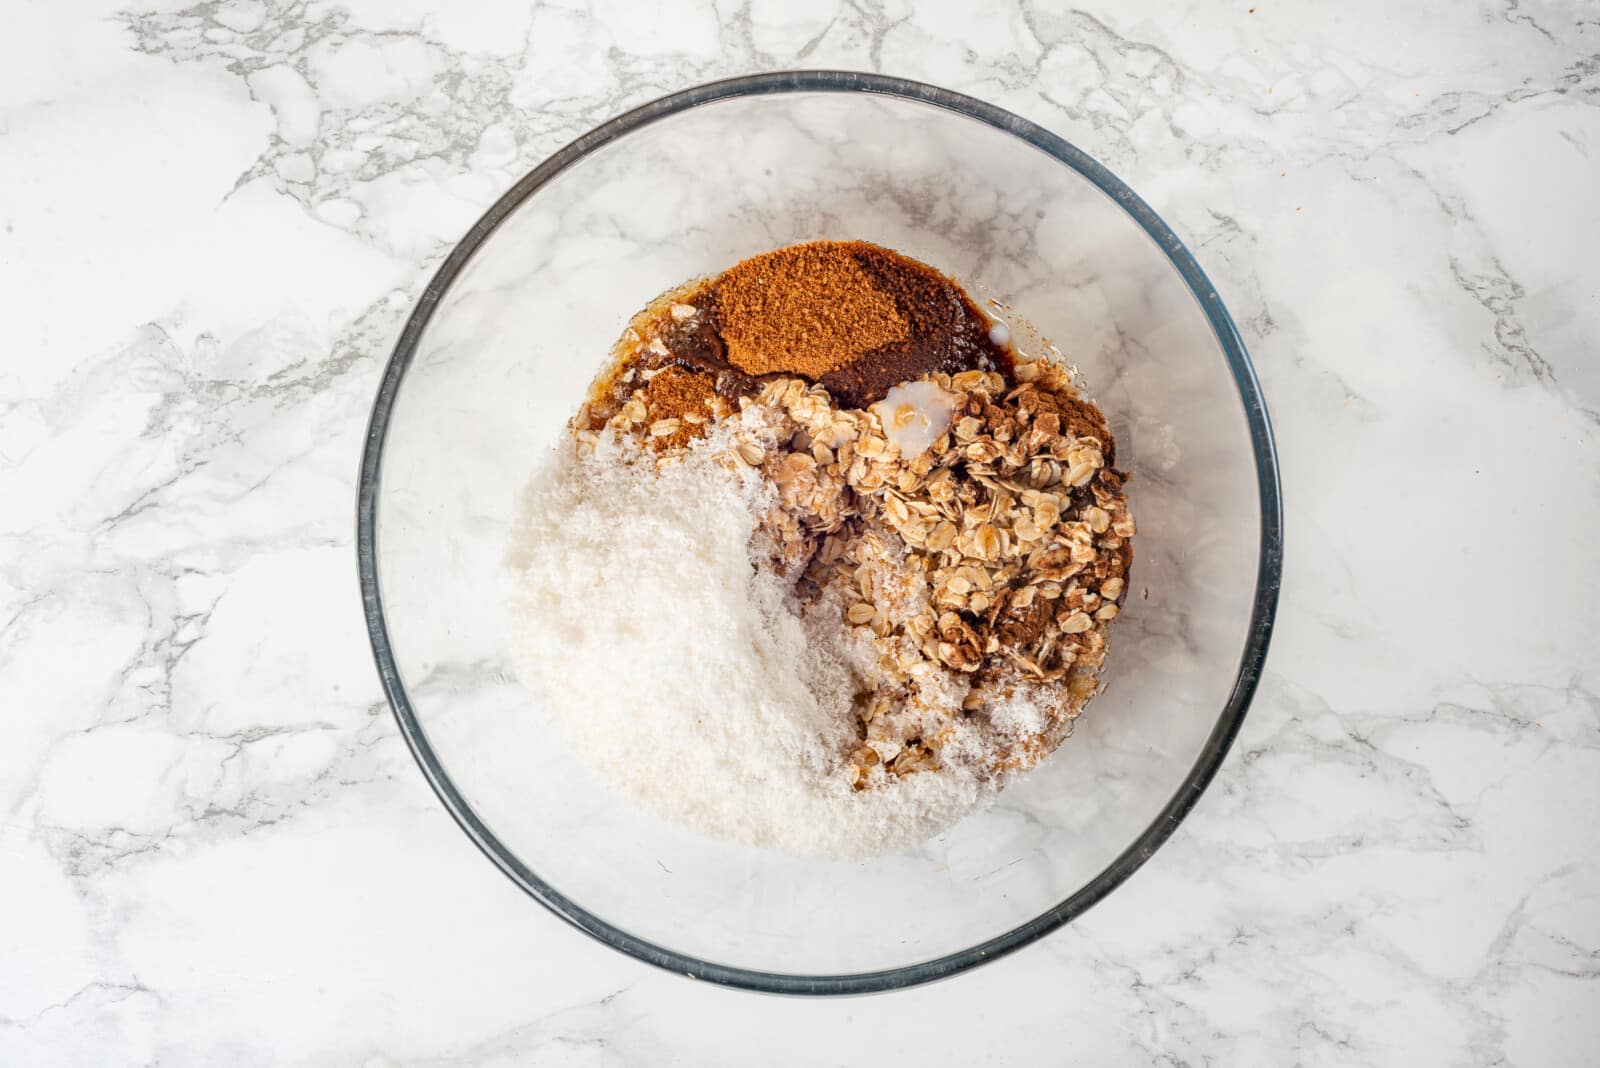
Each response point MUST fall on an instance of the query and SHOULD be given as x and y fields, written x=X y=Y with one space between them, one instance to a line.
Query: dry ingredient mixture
x=825 y=561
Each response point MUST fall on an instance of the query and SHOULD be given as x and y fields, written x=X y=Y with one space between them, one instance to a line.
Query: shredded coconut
x=690 y=678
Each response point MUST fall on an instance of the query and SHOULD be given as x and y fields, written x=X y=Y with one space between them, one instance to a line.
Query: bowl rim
x=1268 y=573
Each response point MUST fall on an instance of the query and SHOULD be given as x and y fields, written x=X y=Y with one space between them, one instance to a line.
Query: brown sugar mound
x=805 y=309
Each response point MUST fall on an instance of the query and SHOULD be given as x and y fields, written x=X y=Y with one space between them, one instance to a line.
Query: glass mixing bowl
x=496 y=358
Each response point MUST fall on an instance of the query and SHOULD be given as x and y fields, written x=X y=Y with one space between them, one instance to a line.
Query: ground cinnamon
x=679 y=406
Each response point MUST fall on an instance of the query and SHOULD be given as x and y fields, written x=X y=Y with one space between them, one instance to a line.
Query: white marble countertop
x=215 y=848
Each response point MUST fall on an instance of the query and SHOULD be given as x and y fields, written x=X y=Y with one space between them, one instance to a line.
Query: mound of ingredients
x=825 y=562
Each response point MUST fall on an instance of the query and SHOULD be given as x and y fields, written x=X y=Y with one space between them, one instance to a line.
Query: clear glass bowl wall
x=505 y=358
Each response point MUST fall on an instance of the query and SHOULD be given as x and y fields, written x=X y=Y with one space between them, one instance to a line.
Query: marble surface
x=214 y=847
